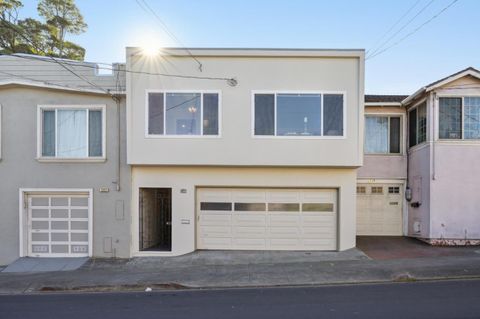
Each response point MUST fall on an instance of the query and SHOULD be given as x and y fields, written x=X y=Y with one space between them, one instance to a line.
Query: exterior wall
x=274 y=70
x=20 y=169
x=386 y=166
x=190 y=178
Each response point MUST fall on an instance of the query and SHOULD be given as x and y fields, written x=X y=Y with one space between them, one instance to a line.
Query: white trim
x=166 y=136
x=316 y=137
x=407 y=135
x=383 y=104
x=403 y=145
x=56 y=107
x=23 y=194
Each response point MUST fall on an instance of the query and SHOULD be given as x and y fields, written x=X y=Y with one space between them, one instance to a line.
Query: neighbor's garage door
x=379 y=209
x=267 y=219
x=58 y=225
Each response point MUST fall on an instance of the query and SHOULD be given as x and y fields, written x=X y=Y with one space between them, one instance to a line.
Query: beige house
x=263 y=158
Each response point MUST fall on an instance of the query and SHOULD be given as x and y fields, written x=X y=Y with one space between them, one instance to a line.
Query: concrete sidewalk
x=211 y=269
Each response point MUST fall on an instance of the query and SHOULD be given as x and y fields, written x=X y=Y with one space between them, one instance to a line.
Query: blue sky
x=445 y=45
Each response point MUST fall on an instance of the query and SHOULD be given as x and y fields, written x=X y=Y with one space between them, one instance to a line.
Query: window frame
x=317 y=137
x=165 y=92
x=437 y=118
x=55 y=107
x=415 y=107
x=402 y=129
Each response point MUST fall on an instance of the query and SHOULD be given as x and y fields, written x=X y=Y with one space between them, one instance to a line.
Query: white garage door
x=58 y=225
x=267 y=219
x=379 y=209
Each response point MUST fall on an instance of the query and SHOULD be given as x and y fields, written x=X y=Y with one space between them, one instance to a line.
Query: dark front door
x=155 y=219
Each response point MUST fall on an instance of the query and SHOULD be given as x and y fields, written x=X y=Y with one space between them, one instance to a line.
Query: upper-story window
x=459 y=118
x=417 y=124
x=183 y=113
x=298 y=115
x=72 y=132
x=382 y=134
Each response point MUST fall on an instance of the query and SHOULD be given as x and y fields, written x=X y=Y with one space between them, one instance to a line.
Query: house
x=426 y=144
x=258 y=150
x=64 y=182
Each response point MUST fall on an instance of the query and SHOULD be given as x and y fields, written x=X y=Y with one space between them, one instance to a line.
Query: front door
x=155 y=219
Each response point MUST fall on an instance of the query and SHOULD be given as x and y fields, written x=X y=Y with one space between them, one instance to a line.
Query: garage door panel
x=58 y=225
x=269 y=219
x=215 y=231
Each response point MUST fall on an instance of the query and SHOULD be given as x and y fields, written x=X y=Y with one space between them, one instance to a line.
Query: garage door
x=266 y=219
x=58 y=225
x=379 y=209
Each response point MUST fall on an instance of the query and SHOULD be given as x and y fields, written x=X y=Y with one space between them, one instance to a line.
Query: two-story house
x=426 y=145
x=259 y=150
x=64 y=182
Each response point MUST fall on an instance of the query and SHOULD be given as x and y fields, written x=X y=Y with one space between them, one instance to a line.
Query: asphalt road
x=446 y=299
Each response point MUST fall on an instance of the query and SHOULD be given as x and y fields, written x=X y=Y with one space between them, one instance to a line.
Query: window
x=183 y=114
x=382 y=134
x=417 y=125
x=455 y=113
x=377 y=190
x=394 y=190
x=361 y=190
x=72 y=132
x=299 y=115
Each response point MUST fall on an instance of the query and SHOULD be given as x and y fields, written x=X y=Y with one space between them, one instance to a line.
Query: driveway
x=392 y=247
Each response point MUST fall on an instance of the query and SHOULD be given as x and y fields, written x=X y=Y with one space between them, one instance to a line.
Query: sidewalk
x=213 y=269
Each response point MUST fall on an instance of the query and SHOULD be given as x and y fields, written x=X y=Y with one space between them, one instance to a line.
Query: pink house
x=421 y=175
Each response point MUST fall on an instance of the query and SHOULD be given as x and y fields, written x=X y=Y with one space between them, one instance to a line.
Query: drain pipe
x=117 y=100
x=433 y=100
x=408 y=190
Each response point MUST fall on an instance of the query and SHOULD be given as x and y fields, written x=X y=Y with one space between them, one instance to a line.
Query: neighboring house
x=266 y=162
x=439 y=128
x=64 y=182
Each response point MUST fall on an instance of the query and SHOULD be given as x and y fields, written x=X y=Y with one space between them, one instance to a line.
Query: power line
x=395 y=24
x=414 y=31
x=145 y=7
x=401 y=29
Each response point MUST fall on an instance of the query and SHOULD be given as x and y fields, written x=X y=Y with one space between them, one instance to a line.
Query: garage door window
x=254 y=207
x=377 y=190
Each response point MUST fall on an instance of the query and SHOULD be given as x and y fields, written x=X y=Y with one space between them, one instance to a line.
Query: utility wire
x=378 y=48
x=414 y=31
x=395 y=24
x=146 y=7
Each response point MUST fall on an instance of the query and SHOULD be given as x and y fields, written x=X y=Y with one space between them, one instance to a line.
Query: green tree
x=63 y=17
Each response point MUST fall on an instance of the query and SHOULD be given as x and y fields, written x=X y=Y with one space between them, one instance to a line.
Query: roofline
x=295 y=52
x=432 y=86
x=383 y=103
x=46 y=85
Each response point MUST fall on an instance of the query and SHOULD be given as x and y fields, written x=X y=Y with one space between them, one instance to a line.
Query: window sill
x=71 y=160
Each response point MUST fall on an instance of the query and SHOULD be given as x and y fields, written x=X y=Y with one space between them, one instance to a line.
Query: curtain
x=376 y=135
x=72 y=133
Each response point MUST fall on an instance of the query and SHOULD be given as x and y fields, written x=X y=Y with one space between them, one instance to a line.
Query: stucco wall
x=419 y=182
x=189 y=178
x=20 y=169
x=273 y=71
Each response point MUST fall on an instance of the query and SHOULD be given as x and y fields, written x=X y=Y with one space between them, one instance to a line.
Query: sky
x=448 y=43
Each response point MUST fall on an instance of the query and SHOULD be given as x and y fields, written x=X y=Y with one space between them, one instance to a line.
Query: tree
x=62 y=17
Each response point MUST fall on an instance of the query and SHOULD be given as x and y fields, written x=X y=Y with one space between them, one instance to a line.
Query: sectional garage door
x=58 y=225
x=379 y=209
x=266 y=219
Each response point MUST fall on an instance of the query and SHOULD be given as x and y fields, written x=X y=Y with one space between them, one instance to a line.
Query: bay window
x=183 y=113
x=382 y=134
x=298 y=115
x=459 y=118
x=72 y=132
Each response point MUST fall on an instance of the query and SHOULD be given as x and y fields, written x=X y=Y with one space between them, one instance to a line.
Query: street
x=445 y=299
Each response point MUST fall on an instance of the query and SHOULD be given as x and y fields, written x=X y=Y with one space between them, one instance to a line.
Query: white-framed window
x=383 y=134
x=417 y=124
x=71 y=131
x=182 y=113
x=284 y=114
x=459 y=118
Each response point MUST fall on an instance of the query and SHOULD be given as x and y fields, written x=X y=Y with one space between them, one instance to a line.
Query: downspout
x=408 y=190
x=433 y=119
x=116 y=98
